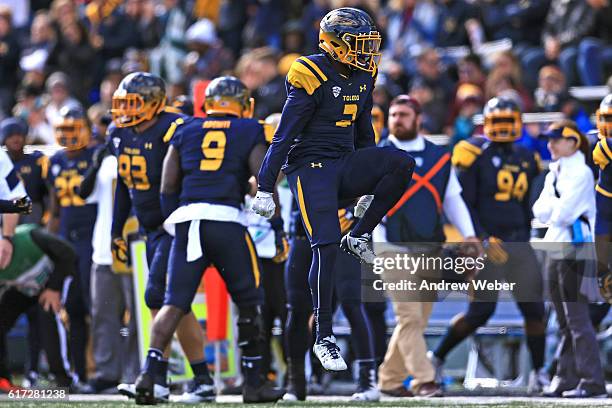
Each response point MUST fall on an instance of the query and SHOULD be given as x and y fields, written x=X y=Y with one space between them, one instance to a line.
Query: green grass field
x=472 y=402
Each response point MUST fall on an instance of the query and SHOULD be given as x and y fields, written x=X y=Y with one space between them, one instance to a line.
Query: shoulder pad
x=602 y=154
x=170 y=132
x=305 y=74
x=466 y=152
x=172 y=109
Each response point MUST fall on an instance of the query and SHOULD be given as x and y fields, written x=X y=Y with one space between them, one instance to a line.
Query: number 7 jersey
x=214 y=158
x=326 y=115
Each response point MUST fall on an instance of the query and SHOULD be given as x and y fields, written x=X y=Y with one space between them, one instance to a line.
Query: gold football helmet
x=227 y=95
x=502 y=120
x=604 y=117
x=140 y=97
x=350 y=36
x=72 y=129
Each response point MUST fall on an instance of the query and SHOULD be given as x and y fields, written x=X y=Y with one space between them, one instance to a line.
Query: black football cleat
x=265 y=393
x=145 y=390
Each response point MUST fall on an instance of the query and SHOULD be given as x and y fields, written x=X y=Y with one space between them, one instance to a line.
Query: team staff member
x=112 y=292
x=434 y=190
x=567 y=205
x=41 y=263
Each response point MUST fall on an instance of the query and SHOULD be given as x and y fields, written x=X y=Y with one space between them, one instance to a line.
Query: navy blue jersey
x=33 y=169
x=496 y=178
x=326 y=115
x=140 y=157
x=214 y=156
x=65 y=176
x=602 y=156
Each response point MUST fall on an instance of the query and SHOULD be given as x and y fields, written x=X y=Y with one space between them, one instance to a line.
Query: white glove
x=263 y=204
x=362 y=205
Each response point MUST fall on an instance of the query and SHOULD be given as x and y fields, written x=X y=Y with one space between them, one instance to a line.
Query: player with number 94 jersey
x=496 y=174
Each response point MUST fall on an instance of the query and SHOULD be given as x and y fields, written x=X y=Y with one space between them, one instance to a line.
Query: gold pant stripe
x=253 y=254
x=303 y=207
x=602 y=191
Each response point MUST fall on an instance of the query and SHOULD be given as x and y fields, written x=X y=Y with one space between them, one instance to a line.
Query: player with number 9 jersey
x=215 y=168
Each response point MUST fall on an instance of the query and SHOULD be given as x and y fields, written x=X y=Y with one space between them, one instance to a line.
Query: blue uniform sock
x=200 y=369
x=321 y=281
x=251 y=369
x=361 y=335
x=156 y=366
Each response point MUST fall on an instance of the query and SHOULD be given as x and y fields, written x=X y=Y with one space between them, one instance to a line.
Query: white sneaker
x=290 y=397
x=328 y=354
x=369 y=394
x=199 y=392
x=438 y=365
x=538 y=381
x=359 y=247
x=162 y=394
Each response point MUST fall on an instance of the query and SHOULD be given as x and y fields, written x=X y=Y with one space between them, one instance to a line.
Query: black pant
x=577 y=351
x=12 y=304
x=275 y=305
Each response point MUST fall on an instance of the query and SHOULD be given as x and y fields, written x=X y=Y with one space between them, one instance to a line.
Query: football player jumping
x=325 y=146
x=205 y=178
x=140 y=123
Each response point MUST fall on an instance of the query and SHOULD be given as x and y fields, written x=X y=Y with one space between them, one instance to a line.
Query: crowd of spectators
x=55 y=52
